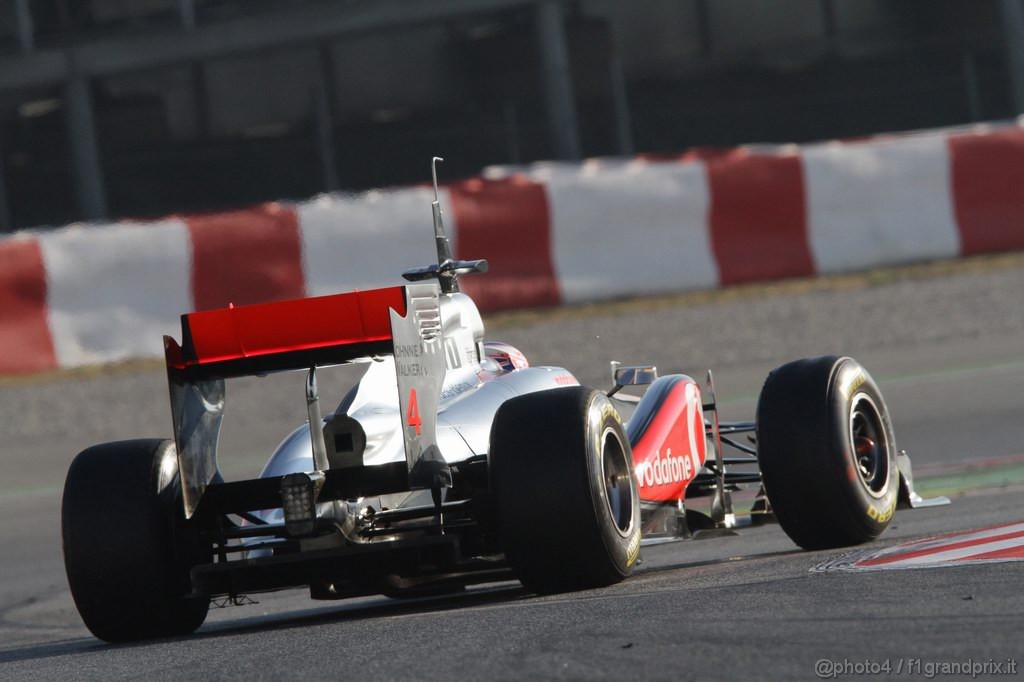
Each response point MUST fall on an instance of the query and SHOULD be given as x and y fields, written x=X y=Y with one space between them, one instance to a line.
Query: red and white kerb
x=984 y=545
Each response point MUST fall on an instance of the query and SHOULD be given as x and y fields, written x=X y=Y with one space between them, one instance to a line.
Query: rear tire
x=566 y=499
x=127 y=546
x=827 y=452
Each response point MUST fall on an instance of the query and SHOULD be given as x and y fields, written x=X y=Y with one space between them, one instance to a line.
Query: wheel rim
x=870 y=445
x=617 y=482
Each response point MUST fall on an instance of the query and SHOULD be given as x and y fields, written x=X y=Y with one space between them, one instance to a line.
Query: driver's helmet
x=506 y=356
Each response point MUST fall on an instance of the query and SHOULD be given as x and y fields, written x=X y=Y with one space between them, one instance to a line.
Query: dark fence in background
x=942 y=67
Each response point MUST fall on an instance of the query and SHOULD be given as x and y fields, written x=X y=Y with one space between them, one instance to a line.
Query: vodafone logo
x=671 y=450
x=664 y=470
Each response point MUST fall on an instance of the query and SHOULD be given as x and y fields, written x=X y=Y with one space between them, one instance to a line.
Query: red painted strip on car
x=285 y=326
x=758 y=217
x=987 y=177
x=903 y=556
x=24 y=330
x=508 y=222
x=247 y=256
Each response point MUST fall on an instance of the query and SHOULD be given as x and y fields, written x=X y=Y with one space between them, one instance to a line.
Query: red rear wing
x=302 y=334
x=268 y=337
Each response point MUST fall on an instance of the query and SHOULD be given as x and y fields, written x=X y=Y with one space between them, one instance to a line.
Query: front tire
x=127 y=546
x=566 y=499
x=827 y=452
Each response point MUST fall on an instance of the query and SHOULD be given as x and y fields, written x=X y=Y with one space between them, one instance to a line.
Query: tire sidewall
x=603 y=423
x=850 y=384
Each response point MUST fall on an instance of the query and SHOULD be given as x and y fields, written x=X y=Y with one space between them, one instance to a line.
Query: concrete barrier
x=555 y=233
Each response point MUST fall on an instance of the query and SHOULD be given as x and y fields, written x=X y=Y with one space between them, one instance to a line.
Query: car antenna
x=447 y=270
x=444 y=251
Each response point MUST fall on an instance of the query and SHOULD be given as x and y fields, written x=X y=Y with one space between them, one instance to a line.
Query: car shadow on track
x=67 y=647
x=504 y=594
x=337 y=612
x=500 y=595
x=344 y=611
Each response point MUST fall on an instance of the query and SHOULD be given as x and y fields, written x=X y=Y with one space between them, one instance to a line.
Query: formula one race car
x=451 y=462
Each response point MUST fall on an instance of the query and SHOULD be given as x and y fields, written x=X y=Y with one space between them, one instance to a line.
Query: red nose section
x=671 y=450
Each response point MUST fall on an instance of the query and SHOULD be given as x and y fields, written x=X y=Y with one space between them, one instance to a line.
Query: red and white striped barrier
x=554 y=233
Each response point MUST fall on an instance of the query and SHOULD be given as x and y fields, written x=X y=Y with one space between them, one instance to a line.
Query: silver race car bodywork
x=479 y=377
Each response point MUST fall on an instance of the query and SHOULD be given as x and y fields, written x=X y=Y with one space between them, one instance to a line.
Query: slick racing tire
x=127 y=546
x=827 y=452
x=567 y=504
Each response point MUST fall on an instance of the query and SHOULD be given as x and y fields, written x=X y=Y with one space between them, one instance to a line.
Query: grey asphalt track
x=948 y=353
